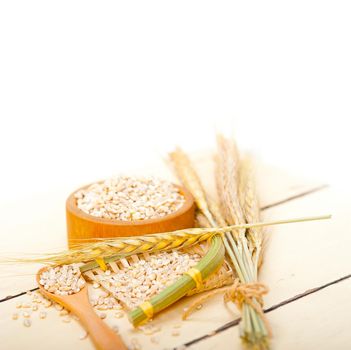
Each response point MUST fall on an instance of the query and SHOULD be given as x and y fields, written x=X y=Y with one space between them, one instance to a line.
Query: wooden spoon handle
x=103 y=337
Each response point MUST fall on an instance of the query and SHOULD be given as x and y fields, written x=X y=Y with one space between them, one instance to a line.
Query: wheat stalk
x=227 y=177
x=201 y=221
x=251 y=209
x=121 y=247
x=191 y=181
x=105 y=248
x=254 y=330
x=227 y=162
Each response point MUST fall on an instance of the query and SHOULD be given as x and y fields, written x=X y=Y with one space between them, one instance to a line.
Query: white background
x=91 y=88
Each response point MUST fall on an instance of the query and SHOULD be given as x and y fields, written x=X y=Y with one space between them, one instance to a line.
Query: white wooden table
x=307 y=267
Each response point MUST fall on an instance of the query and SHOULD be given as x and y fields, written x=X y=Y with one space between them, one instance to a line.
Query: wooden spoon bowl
x=82 y=227
x=103 y=337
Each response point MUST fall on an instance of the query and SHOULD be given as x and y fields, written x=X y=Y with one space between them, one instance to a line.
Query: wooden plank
x=61 y=335
x=303 y=256
x=319 y=321
x=306 y=255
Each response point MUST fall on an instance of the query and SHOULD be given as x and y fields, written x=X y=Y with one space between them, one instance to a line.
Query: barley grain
x=102 y=315
x=154 y=340
x=58 y=307
x=66 y=319
x=115 y=328
x=130 y=199
x=27 y=322
x=135 y=345
x=64 y=313
x=142 y=279
x=84 y=335
x=62 y=280
x=42 y=314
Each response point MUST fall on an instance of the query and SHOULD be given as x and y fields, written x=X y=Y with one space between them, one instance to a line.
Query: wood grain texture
x=319 y=321
x=81 y=225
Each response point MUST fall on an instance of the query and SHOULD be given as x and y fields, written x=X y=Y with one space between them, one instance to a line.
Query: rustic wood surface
x=306 y=267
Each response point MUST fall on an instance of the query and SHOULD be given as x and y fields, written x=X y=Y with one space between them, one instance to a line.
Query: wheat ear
x=253 y=328
x=118 y=247
x=251 y=209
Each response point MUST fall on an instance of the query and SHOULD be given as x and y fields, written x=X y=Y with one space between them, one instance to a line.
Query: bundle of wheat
x=239 y=204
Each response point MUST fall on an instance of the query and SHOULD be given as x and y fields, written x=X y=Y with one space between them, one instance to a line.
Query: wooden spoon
x=103 y=337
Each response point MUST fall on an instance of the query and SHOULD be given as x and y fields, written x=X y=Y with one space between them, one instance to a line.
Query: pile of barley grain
x=35 y=306
x=62 y=280
x=130 y=198
x=145 y=278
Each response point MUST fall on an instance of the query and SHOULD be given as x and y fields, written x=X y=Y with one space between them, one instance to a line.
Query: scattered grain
x=154 y=340
x=42 y=314
x=47 y=303
x=27 y=322
x=84 y=335
x=115 y=328
x=102 y=315
x=66 y=319
x=135 y=345
x=58 y=307
x=64 y=312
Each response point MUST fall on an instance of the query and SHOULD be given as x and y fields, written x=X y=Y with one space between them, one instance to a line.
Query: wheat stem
x=105 y=248
x=253 y=330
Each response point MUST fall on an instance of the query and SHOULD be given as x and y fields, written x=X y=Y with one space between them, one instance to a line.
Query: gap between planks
x=272 y=308
x=297 y=196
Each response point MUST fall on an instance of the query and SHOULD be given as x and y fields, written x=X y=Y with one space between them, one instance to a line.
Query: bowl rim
x=72 y=207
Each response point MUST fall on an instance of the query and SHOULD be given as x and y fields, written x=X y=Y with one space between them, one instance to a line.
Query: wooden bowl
x=82 y=226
